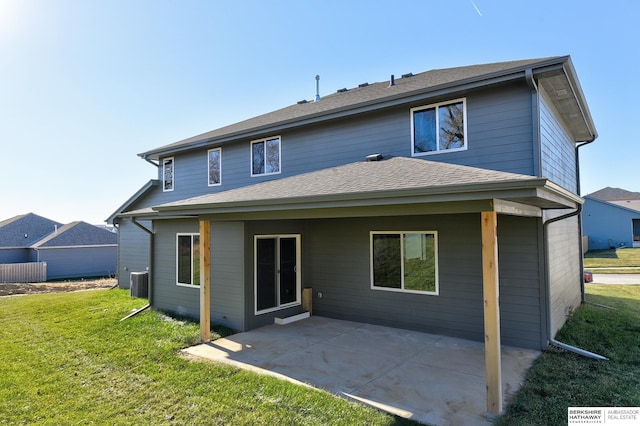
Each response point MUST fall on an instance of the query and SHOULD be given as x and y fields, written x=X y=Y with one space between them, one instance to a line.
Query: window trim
x=219 y=149
x=255 y=141
x=402 y=289
x=173 y=174
x=178 y=235
x=437 y=106
x=298 y=300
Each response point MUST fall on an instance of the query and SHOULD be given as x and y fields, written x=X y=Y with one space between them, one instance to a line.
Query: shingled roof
x=23 y=230
x=615 y=194
x=78 y=234
x=394 y=177
x=378 y=95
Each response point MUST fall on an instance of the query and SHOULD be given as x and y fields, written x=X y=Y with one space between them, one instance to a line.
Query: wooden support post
x=490 y=285
x=307 y=299
x=205 y=280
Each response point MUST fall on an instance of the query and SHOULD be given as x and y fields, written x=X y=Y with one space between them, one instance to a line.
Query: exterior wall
x=75 y=262
x=228 y=274
x=14 y=255
x=558 y=150
x=607 y=225
x=133 y=250
x=166 y=294
x=499 y=137
x=523 y=311
x=335 y=257
x=563 y=263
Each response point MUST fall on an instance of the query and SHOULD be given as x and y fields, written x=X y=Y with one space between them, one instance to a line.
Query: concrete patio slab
x=429 y=378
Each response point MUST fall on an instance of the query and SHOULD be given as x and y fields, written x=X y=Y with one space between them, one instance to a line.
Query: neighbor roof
x=375 y=181
x=78 y=234
x=412 y=87
x=615 y=194
x=23 y=230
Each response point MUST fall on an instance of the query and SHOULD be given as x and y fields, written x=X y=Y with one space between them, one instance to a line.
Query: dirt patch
x=56 y=287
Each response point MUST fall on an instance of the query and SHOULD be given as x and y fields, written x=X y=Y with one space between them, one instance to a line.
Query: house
x=412 y=202
x=20 y=232
x=75 y=250
x=608 y=224
x=618 y=196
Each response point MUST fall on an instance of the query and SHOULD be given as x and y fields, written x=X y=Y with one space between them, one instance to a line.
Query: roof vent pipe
x=317 y=88
x=392 y=80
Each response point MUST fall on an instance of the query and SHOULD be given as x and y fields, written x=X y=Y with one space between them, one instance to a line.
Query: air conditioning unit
x=139 y=284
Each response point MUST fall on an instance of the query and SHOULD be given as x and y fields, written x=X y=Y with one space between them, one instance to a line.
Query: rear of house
x=377 y=198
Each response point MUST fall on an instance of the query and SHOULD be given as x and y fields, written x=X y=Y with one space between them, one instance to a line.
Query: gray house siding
x=522 y=292
x=228 y=274
x=75 y=262
x=499 y=138
x=558 y=149
x=335 y=262
x=134 y=250
x=564 y=270
x=166 y=294
x=14 y=255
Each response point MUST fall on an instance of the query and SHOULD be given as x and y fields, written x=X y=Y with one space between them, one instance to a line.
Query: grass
x=561 y=379
x=620 y=261
x=67 y=359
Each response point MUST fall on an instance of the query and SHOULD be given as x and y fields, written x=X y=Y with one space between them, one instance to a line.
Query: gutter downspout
x=578 y=190
x=150 y=233
x=548 y=279
x=535 y=125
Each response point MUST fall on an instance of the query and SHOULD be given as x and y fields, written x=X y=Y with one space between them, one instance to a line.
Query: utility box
x=139 y=284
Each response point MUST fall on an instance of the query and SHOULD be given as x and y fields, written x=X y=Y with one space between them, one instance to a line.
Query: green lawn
x=620 y=261
x=560 y=379
x=67 y=359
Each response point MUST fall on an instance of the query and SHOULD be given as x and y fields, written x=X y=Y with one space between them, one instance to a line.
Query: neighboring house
x=19 y=232
x=474 y=193
x=621 y=197
x=608 y=225
x=74 y=250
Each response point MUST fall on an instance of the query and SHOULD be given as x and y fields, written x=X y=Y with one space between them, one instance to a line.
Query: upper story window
x=265 y=156
x=405 y=261
x=188 y=259
x=167 y=174
x=439 y=128
x=215 y=166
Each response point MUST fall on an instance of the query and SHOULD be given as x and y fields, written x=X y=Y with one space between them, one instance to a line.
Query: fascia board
x=511 y=190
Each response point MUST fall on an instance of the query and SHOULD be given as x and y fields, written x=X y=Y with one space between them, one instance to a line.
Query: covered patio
x=428 y=378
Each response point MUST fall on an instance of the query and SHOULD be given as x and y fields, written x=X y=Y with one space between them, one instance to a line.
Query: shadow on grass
x=560 y=379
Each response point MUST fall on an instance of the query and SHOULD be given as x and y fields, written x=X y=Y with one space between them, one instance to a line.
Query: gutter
x=552 y=341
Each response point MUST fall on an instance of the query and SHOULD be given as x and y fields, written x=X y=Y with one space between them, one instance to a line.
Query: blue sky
x=87 y=85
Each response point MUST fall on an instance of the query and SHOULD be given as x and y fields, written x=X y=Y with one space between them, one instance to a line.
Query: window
x=215 y=166
x=277 y=274
x=188 y=260
x=405 y=261
x=167 y=174
x=439 y=128
x=265 y=156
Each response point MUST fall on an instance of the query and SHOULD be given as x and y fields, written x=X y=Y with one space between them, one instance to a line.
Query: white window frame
x=264 y=140
x=298 y=300
x=178 y=235
x=437 y=106
x=402 y=289
x=209 y=166
x=173 y=174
